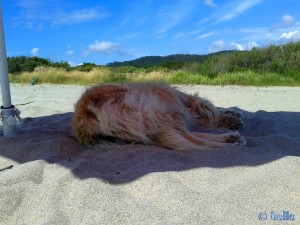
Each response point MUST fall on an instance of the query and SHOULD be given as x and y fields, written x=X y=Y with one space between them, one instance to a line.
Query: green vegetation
x=152 y=61
x=271 y=66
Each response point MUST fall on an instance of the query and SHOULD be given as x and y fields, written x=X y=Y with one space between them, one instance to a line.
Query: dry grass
x=61 y=76
x=98 y=75
x=106 y=75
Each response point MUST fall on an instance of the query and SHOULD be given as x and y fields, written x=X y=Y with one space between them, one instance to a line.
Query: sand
x=47 y=177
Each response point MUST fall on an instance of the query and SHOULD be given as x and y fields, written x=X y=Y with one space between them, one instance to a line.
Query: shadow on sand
x=270 y=136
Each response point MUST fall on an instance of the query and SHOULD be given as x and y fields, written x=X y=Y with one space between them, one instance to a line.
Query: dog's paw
x=230 y=122
x=237 y=139
x=231 y=113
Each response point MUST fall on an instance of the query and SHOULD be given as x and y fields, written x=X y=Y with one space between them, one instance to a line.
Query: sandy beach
x=47 y=177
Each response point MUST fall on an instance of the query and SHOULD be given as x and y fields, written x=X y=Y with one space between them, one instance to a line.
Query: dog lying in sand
x=152 y=113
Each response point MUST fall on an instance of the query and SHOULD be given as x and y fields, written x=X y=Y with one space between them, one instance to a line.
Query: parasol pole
x=8 y=111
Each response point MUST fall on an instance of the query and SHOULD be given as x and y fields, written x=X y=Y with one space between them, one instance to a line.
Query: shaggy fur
x=151 y=113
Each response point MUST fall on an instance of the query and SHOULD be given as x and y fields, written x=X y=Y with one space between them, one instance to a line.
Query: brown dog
x=151 y=113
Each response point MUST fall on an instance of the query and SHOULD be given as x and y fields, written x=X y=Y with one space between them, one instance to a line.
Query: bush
x=86 y=67
x=62 y=65
x=172 y=65
x=34 y=80
x=22 y=63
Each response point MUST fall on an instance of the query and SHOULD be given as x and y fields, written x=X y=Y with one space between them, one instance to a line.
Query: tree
x=22 y=63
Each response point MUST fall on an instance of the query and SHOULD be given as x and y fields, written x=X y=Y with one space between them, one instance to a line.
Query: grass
x=108 y=75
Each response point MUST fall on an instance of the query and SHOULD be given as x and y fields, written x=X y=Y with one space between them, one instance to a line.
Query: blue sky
x=118 y=30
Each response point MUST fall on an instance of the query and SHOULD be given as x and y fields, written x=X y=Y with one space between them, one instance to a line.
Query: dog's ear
x=96 y=99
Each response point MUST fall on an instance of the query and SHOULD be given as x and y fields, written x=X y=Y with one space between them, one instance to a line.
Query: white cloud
x=236 y=46
x=280 y=37
x=210 y=3
x=289 y=35
x=35 y=51
x=173 y=15
x=203 y=36
x=216 y=46
x=269 y=36
x=105 y=47
x=221 y=45
x=186 y=34
x=230 y=10
x=79 y=16
x=240 y=8
x=286 y=21
x=36 y=14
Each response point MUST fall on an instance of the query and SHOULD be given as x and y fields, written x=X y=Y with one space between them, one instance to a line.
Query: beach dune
x=47 y=177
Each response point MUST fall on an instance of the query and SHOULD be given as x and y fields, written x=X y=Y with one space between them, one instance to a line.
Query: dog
x=154 y=114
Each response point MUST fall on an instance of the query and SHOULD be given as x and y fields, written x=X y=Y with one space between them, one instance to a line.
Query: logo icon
x=262 y=216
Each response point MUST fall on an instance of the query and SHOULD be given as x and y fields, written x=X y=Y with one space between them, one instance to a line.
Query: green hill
x=152 y=61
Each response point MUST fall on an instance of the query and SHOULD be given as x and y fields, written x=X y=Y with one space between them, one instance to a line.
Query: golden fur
x=151 y=113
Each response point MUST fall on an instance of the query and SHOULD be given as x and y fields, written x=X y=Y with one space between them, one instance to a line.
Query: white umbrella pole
x=8 y=111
